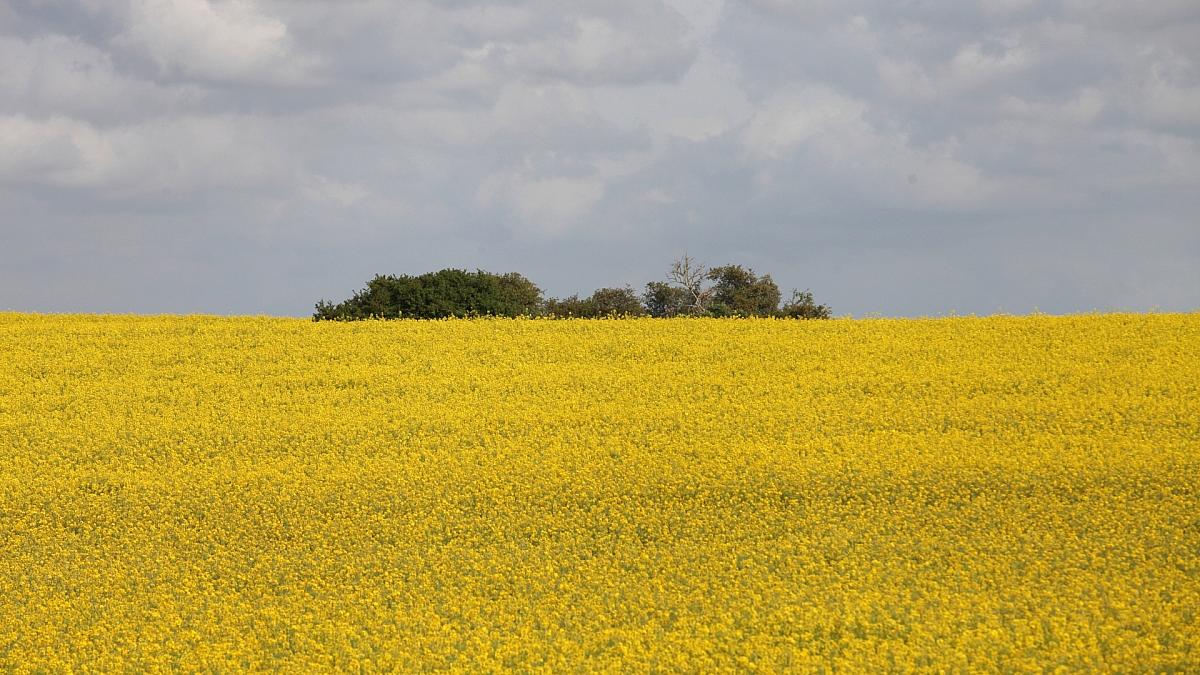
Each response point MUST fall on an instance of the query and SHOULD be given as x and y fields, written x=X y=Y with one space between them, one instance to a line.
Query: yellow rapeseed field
x=199 y=493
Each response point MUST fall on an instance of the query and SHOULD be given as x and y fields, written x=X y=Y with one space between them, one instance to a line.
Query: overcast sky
x=897 y=157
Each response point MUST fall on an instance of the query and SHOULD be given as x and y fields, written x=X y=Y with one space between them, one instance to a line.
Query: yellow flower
x=201 y=493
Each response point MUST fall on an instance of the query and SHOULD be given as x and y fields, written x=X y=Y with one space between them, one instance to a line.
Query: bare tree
x=690 y=275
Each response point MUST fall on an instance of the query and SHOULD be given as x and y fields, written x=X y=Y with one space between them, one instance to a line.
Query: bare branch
x=689 y=274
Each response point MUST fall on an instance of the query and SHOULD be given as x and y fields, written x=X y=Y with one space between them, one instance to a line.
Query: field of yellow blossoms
x=200 y=493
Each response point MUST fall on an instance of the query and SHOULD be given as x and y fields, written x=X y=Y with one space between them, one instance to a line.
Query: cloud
x=61 y=75
x=598 y=51
x=1004 y=7
x=877 y=164
x=1124 y=15
x=58 y=151
x=581 y=42
x=182 y=156
x=971 y=67
x=707 y=102
x=895 y=157
x=816 y=114
x=216 y=40
x=809 y=11
x=1168 y=100
x=550 y=205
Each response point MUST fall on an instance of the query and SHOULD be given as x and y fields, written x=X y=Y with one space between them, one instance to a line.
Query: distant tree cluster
x=690 y=289
x=438 y=295
x=604 y=302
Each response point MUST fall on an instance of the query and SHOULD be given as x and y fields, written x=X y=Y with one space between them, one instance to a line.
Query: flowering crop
x=198 y=493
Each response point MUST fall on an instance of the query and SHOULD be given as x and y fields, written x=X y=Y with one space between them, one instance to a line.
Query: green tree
x=519 y=295
x=738 y=291
x=802 y=306
x=664 y=300
x=603 y=302
x=616 y=302
x=449 y=292
x=572 y=306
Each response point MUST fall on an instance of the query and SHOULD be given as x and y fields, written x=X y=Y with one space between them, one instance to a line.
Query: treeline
x=690 y=289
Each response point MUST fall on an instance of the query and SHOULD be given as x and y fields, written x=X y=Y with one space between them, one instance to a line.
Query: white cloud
x=971 y=67
x=703 y=15
x=1125 y=15
x=586 y=42
x=877 y=163
x=805 y=9
x=1002 y=7
x=597 y=50
x=183 y=156
x=497 y=21
x=1167 y=158
x=58 y=150
x=55 y=74
x=1165 y=103
x=818 y=114
x=1169 y=94
x=544 y=205
x=334 y=192
x=217 y=40
x=706 y=102
x=1080 y=110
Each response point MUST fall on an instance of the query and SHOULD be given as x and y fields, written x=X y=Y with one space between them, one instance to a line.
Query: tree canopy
x=438 y=295
x=738 y=291
x=690 y=289
x=603 y=302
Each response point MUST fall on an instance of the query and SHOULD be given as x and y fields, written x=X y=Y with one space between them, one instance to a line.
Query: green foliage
x=437 y=295
x=802 y=306
x=616 y=302
x=604 y=302
x=738 y=291
x=664 y=300
x=572 y=306
x=691 y=289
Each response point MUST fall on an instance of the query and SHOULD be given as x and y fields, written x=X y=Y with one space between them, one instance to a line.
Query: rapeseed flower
x=200 y=493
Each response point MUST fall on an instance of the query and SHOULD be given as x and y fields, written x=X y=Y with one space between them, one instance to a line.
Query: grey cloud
x=903 y=158
x=586 y=42
x=646 y=42
x=50 y=75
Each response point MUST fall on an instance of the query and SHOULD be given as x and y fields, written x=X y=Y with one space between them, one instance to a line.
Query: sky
x=896 y=158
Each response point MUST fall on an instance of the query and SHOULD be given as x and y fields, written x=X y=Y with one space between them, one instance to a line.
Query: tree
x=802 y=306
x=519 y=296
x=740 y=292
x=688 y=274
x=663 y=300
x=690 y=289
x=572 y=306
x=616 y=302
x=603 y=302
x=735 y=291
x=449 y=292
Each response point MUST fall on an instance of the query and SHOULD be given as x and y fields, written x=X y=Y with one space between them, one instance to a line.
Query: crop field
x=200 y=493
